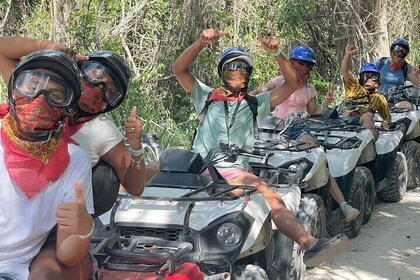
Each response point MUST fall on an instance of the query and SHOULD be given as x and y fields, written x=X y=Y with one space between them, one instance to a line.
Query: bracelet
x=86 y=236
x=277 y=53
x=136 y=153
x=40 y=44
x=137 y=162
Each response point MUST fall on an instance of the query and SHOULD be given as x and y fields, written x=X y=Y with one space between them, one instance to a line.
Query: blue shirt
x=390 y=79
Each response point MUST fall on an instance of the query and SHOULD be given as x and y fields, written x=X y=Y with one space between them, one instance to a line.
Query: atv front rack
x=140 y=254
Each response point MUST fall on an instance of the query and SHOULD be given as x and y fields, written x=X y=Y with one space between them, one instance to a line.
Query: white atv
x=411 y=121
x=218 y=232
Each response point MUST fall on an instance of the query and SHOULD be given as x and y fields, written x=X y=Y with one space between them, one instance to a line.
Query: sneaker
x=349 y=212
x=325 y=249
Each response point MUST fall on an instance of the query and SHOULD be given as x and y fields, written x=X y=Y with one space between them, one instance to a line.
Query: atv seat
x=180 y=169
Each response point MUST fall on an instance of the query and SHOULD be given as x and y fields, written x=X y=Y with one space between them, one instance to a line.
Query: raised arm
x=414 y=76
x=181 y=66
x=13 y=48
x=291 y=79
x=345 y=64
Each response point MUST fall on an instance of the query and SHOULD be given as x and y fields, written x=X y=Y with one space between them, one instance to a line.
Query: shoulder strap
x=405 y=70
x=253 y=106
x=381 y=62
x=203 y=112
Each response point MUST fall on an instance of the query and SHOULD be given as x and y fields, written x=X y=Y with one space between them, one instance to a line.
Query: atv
x=411 y=121
x=362 y=167
x=187 y=209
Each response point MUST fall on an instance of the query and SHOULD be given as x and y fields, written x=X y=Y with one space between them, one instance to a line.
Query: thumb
x=79 y=192
x=133 y=112
x=223 y=33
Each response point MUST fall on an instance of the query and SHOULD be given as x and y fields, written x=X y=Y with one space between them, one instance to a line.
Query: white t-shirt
x=25 y=223
x=97 y=137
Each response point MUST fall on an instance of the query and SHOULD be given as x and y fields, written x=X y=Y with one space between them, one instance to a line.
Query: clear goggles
x=233 y=66
x=98 y=75
x=400 y=49
x=374 y=77
x=30 y=84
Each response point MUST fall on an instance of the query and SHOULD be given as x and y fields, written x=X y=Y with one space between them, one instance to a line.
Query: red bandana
x=221 y=94
x=91 y=99
x=397 y=65
x=31 y=165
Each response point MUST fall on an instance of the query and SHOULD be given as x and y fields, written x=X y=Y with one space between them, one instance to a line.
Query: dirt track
x=388 y=247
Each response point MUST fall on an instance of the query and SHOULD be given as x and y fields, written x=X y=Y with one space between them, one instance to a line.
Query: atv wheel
x=370 y=192
x=287 y=259
x=396 y=190
x=356 y=199
x=312 y=215
x=249 y=272
x=411 y=150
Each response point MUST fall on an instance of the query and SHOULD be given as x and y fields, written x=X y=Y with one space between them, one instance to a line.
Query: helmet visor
x=97 y=74
x=374 y=77
x=31 y=83
x=400 y=51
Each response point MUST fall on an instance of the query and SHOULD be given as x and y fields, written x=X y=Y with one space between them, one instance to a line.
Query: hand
x=385 y=125
x=73 y=218
x=46 y=44
x=268 y=43
x=350 y=48
x=133 y=129
x=329 y=97
x=211 y=36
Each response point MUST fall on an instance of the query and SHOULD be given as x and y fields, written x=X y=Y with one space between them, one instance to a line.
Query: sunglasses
x=308 y=64
x=31 y=83
x=233 y=66
x=399 y=49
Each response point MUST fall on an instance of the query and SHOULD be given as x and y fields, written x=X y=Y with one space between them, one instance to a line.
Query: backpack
x=404 y=67
x=252 y=102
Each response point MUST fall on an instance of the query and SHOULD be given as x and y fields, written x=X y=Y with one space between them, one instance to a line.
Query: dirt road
x=388 y=247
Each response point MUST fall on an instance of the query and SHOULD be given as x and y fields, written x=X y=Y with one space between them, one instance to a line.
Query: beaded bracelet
x=136 y=153
x=86 y=236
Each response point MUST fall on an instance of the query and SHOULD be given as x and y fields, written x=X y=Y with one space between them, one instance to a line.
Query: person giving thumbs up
x=75 y=226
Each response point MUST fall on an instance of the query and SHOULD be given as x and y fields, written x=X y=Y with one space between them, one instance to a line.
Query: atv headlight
x=229 y=234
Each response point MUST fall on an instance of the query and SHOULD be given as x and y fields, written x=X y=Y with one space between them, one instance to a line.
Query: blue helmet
x=402 y=42
x=303 y=53
x=369 y=67
x=231 y=54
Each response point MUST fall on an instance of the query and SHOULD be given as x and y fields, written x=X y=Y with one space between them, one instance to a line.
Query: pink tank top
x=297 y=102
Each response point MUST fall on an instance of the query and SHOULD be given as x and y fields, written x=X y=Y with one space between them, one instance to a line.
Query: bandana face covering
x=31 y=165
x=35 y=115
x=235 y=81
x=91 y=100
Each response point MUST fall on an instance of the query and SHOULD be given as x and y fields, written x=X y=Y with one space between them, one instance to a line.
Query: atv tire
x=396 y=190
x=370 y=192
x=411 y=150
x=313 y=215
x=356 y=198
x=287 y=259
